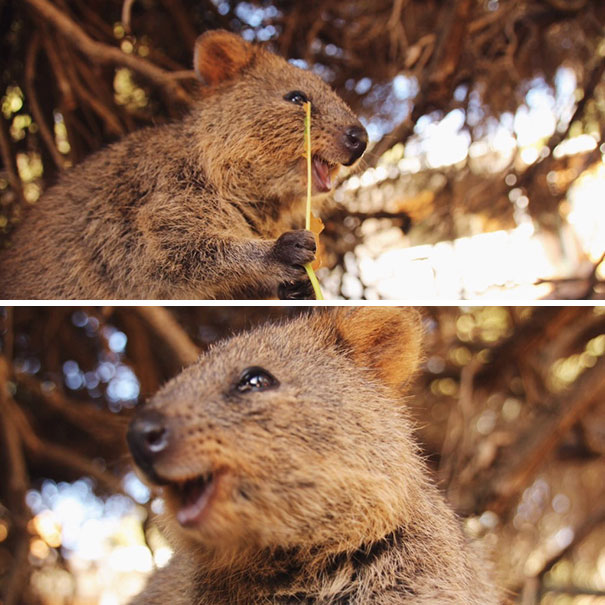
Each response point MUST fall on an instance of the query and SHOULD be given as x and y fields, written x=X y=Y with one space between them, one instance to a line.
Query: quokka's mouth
x=192 y=498
x=323 y=174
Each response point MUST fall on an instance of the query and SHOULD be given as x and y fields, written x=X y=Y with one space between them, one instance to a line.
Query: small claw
x=299 y=290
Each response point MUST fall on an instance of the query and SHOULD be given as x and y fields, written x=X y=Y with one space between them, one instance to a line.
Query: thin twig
x=567 y=6
x=593 y=279
x=182 y=74
x=111 y=122
x=455 y=444
x=592 y=81
x=140 y=353
x=182 y=18
x=68 y=99
x=126 y=12
x=8 y=340
x=32 y=100
x=8 y=159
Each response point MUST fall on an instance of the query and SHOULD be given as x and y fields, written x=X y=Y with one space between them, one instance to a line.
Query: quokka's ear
x=220 y=55
x=386 y=340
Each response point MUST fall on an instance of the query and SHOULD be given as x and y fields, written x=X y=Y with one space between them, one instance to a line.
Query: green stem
x=314 y=282
x=309 y=269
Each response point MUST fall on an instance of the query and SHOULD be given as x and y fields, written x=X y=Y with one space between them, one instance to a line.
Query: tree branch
x=18 y=482
x=8 y=159
x=589 y=390
x=32 y=100
x=171 y=333
x=59 y=454
x=103 y=426
x=105 y=54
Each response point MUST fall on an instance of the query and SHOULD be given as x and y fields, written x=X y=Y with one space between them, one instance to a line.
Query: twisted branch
x=105 y=54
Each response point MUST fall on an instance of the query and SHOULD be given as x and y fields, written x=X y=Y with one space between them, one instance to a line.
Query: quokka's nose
x=147 y=438
x=356 y=141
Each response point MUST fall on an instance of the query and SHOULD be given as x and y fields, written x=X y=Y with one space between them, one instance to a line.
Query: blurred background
x=509 y=406
x=485 y=178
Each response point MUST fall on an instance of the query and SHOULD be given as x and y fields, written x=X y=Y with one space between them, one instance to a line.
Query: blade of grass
x=307 y=107
x=308 y=267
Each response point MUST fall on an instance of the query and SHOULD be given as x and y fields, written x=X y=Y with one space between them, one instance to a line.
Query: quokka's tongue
x=195 y=496
x=321 y=172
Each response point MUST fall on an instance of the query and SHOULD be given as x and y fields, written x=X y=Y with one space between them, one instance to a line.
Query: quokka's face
x=270 y=440
x=337 y=137
x=266 y=131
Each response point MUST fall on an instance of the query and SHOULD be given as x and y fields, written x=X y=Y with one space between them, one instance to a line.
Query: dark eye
x=256 y=379
x=295 y=96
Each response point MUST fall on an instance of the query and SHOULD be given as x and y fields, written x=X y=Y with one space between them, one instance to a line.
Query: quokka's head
x=254 y=116
x=291 y=435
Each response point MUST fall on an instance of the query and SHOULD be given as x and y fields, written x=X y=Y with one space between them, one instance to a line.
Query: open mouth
x=323 y=173
x=192 y=498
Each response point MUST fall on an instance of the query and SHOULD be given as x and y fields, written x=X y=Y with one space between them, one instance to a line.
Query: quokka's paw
x=295 y=248
x=298 y=290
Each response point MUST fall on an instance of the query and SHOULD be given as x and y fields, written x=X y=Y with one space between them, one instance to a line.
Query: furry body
x=200 y=208
x=318 y=493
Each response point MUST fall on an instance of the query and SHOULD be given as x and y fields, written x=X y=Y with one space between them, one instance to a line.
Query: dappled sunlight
x=560 y=506
x=482 y=266
x=587 y=210
x=544 y=523
x=517 y=263
x=525 y=262
x=100 y=542
x=127 y=92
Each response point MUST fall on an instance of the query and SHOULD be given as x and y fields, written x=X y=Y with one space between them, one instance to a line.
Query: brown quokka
x=291 y=475
x=207 y=207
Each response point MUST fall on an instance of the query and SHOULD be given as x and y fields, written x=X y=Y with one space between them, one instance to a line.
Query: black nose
x=147 y=438
x=356 y=141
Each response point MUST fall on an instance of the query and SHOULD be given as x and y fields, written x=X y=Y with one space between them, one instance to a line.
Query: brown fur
x=322 y=497
x=192 y=209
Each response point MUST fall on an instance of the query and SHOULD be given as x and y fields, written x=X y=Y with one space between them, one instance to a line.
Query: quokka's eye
x=295 y=96
x=256 y=379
